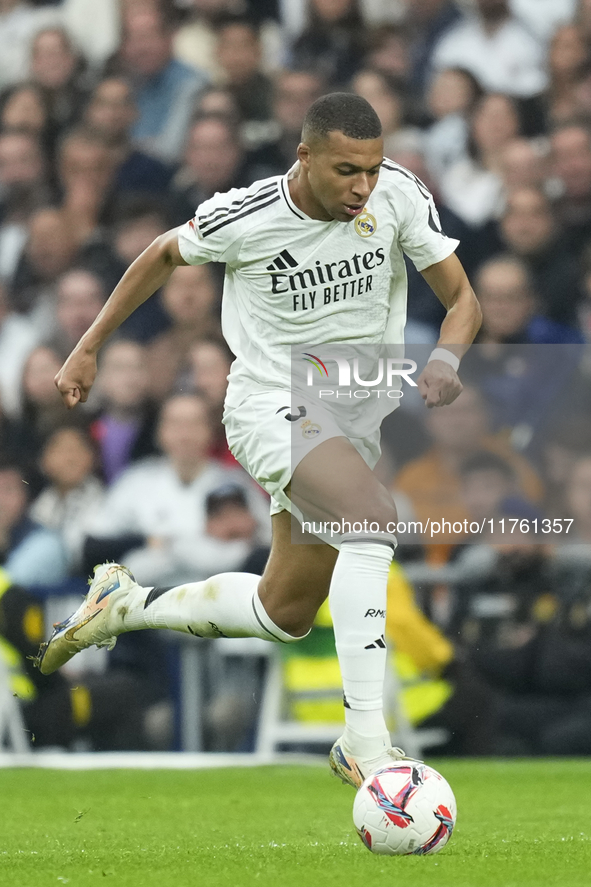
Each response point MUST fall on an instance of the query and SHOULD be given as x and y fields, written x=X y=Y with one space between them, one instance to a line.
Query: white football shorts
x=269 y=434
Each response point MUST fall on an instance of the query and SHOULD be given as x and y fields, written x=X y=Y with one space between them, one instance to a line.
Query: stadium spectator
x=494 y=46
x=387 y=54
x=23 y=189
x=239 y=54
x=17 y=339
x=426 y=22
x=24 y=108
x=567 y=58
x=214 y=160
x=218 y=100
x=332 y=41
x=571 y=156
x=30 y=554
x=137 y=220
x=230 y=534
x=195 y=40
x=510 y=311
x=450 y=100
x=210 y=362
x=50 y=249
x=209 y=367
x=40 y=412
x=80 y=295
x=124 y=428
x=228 y=515
x=524 y=163
x=111 y=112
x=86 y=167
x=18 y=24
x=488 y=486
x=529 y=230
x=472 y=187
x=73 y=494
x=57 y=68
x=389 y=106
x=528 y=388
x=189 y=299
x=487 y=482
x=166 y=89
x=294 y=92
x=432 y=482
x=567 y=441
x=522 y=622
x=161 y=499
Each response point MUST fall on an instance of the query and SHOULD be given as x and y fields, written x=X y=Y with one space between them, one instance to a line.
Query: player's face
x=341 y=174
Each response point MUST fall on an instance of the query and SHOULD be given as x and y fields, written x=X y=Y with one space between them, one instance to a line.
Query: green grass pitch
x=520 y=823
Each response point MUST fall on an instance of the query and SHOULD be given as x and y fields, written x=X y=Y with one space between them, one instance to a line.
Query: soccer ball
x=405 y=809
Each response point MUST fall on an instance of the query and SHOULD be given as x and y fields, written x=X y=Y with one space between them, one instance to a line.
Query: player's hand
x=75 y=378
x=439 y=384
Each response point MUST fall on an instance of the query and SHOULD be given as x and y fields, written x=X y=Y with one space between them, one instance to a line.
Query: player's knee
x=294 y=618
x=379 y=513
x=295 y=624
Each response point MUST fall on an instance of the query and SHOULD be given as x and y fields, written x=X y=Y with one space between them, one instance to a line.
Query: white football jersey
x=293 y=280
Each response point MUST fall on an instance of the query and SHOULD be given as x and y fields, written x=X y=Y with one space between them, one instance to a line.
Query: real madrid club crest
x=365 y=224
x=310 y=429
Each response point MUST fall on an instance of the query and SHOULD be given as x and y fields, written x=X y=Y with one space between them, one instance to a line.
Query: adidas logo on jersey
x=282 y=261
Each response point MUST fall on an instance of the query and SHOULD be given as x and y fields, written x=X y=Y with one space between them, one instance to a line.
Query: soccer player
x=343 y=214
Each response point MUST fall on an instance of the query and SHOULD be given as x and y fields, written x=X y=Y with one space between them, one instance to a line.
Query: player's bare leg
x=333 y=484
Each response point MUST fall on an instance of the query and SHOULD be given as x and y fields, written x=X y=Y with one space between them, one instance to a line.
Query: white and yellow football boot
x=353 y=768
x=98 y=620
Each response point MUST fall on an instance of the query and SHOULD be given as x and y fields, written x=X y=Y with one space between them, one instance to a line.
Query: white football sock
x=357 y=599
x=227 y=605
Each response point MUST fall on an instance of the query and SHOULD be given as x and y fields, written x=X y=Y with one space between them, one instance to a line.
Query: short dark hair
x=341 y=112
x=229 y=494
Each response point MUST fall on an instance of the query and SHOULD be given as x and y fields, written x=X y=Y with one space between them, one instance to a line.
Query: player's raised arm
x=439 y=383
x=143 y=277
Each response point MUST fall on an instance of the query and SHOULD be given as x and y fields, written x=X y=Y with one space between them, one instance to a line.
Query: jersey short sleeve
x=202 y=239
x=220 y=224
x=420 y=234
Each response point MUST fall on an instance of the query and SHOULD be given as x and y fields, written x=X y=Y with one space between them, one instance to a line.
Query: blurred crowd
x=118 y=118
